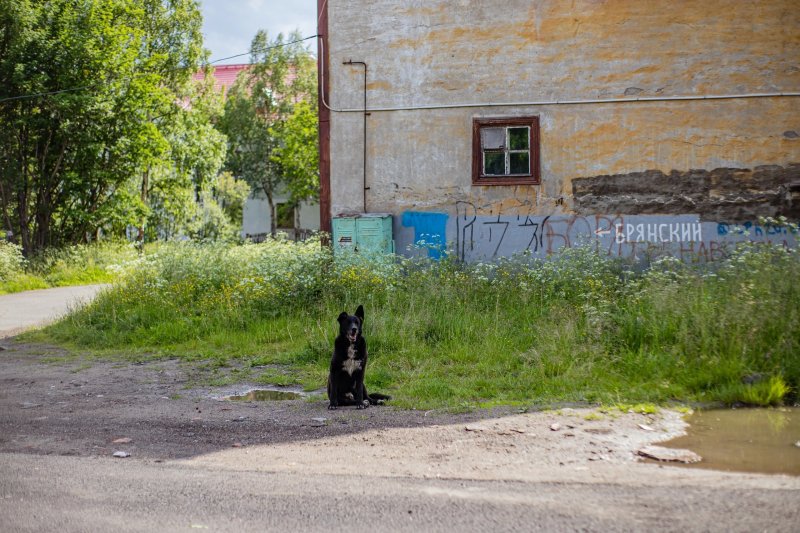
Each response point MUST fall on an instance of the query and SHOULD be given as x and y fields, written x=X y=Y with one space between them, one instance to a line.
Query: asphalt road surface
x=46 y=493
x=24 y=310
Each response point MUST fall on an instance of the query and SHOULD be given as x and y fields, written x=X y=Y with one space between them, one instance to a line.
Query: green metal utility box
x=367 y=233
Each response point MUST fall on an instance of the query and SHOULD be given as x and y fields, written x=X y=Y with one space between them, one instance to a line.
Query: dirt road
x=195 y=461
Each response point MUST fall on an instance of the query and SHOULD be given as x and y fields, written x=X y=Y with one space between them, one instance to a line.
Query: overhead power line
x=263 y=49
x=73 y=89
x=35 y=95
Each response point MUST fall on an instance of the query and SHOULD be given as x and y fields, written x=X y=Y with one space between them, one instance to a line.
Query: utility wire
x=202 y=67
x=262 y=49
x=24 y=96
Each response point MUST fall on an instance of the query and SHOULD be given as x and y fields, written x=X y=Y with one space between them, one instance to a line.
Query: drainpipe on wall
x=351 y=62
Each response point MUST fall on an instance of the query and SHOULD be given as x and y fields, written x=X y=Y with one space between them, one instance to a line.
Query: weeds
x=766 y=393
x=11 y=260
x=642 y=408
x=73 y=265
x=577 y=327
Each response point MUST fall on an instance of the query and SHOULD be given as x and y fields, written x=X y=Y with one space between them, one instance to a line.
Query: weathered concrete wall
x=635 y=158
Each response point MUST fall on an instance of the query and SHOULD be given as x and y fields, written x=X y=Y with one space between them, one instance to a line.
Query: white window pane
x=493 y=138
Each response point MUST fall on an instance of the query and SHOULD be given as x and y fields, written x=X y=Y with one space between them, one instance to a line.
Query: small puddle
x=265 y=395
x=744 y=440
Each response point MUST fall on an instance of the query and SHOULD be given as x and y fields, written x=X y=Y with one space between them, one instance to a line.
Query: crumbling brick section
x=729 y=194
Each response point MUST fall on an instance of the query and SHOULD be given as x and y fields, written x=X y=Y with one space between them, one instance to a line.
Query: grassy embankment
x=75 y=265
x=579 y=327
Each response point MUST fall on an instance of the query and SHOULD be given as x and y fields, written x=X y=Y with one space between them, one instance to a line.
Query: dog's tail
x=376 y=398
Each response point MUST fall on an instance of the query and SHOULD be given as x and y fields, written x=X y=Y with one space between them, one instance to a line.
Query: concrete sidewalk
x=29 y=309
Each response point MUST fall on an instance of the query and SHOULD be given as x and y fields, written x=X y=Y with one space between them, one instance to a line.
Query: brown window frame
x=531 y=178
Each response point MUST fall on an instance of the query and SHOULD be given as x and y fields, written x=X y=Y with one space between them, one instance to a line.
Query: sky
x=230 y=25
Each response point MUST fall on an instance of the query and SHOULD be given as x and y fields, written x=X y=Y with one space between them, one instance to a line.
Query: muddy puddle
x=744 y=440
x=265 y=395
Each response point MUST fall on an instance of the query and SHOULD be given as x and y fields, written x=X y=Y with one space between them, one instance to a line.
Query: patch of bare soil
x=56 y=405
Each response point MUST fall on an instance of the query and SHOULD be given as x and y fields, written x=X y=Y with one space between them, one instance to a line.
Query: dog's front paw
x=332 y=407
x=363 y=405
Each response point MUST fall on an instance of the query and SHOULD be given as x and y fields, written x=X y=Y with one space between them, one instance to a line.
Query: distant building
x=256 y=218
x=224 y=76
x=502 y=126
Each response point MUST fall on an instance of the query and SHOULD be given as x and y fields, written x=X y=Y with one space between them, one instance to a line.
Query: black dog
x=348 y=365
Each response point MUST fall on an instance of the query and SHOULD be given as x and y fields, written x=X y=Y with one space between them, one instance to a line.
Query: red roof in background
x=224 y=75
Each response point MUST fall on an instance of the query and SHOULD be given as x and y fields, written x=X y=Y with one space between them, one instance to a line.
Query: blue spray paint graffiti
x=430 y=228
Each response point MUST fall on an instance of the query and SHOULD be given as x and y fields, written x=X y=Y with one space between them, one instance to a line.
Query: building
x=296 y=222
x=496 y=127
x=224 y=76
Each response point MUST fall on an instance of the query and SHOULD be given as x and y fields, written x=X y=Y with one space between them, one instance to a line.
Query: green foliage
x=643 y=408
x=174 y=188
x=276 y=377
x=211 y=222
x=23 y=282
x=297 y=153
x=578 y=327
x=231 y=195
x=268 y=125
x=11 y=260
x=114 y=138
x=769 y=392
x=71 y=265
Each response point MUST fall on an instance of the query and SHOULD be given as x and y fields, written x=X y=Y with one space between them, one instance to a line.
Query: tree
x=173 y=191
x=112 y=78
x=258 y=108
x=297 y=154
x=231 y=194
x=54 y=140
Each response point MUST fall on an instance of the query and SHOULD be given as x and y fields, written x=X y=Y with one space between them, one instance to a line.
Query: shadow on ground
x=53 y=403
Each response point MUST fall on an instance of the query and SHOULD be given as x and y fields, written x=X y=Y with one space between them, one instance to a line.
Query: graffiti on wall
x=475 y=237
x=430 y=229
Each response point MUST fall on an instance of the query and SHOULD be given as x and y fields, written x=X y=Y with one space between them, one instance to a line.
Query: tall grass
x=58 y=267
x=577 y=327
x=12 y=262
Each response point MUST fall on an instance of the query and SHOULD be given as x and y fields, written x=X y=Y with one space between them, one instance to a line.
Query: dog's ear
x=360 y=312
x=342 y=316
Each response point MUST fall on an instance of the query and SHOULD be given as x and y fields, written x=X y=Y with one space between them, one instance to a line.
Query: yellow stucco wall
x=479 y=52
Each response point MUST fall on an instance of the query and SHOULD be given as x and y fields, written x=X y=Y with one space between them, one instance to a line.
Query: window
x=505 y=151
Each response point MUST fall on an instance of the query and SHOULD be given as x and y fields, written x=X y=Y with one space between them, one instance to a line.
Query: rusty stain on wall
x=379 y=85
